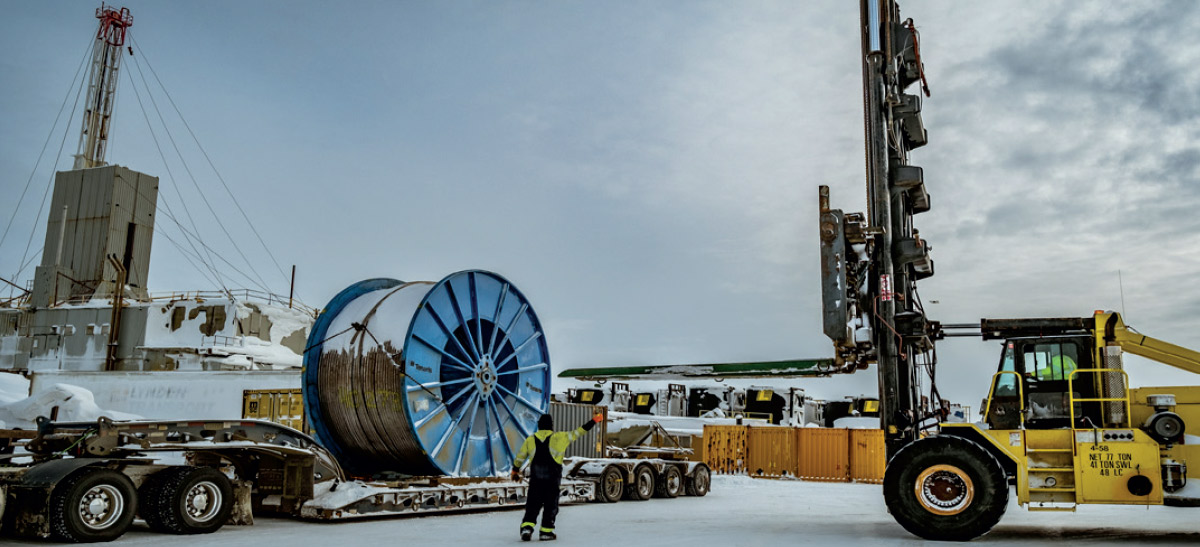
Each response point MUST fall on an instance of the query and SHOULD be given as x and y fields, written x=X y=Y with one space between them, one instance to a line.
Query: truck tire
x=612 y=485
x=642 y=485
x=95 y=504
x=670 y=484
x=699 y=483
x=187 y=500
x=945 y=488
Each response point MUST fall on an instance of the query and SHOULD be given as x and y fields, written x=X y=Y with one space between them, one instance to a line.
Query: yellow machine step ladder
x=1050 y=468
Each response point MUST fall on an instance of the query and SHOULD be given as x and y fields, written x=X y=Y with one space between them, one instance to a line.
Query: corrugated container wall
x=282 y=406
x=568 y=416
x=868 y=455
x=823 y=454
x=725 y=448
x=771 y=451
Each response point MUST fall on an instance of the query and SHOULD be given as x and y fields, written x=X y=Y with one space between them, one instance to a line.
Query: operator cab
x=1032 y=388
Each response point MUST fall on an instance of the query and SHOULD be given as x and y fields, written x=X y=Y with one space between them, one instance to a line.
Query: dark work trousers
x=545 y=476
x=543 y=496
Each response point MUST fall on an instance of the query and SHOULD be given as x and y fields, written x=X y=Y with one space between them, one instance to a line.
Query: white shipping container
x=170 y=395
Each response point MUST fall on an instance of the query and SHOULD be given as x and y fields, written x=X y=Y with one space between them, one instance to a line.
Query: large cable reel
x=424 y=378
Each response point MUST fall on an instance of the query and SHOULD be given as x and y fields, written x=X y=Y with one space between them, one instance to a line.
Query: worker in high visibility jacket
x=546 y=449
x=1060 y=367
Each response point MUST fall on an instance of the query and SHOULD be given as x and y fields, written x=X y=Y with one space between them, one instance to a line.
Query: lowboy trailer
x=87 y=481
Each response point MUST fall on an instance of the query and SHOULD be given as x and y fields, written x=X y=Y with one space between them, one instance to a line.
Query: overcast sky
x=647 y=172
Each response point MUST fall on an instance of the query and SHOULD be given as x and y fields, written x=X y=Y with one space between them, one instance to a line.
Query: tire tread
x=991 y=488
x=61 y=525
x=663 y=483
x=690 y=482
x=162 y=500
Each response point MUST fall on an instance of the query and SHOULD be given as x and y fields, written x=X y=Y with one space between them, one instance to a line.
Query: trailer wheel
x=670 y=484
x=187 y=500
x=700 y=481
x=612 y=485
x=945 y=488
x=642 y=485
x=97 y=504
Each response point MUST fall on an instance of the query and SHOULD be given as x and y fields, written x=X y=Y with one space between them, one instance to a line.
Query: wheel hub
x=100 y=507
x=485 y=376
x=945 y=490
x=203 y=501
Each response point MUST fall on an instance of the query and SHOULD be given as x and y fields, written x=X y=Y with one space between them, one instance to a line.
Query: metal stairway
x=1050 y=461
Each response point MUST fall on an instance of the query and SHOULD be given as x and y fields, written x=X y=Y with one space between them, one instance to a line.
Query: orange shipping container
x=822 y=454
x=818 y=454
x=770 y=451
x=725 y=448
x=868 y=455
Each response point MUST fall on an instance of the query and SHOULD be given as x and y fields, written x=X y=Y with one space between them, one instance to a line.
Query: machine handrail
x=1074 y=399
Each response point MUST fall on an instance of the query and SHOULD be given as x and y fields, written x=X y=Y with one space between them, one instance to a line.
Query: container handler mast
x=871 y=262
x=1061 y=423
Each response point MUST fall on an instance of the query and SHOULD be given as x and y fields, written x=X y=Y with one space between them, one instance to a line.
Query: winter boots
x=543 y=534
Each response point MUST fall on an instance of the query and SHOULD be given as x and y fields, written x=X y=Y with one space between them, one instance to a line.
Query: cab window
x=1051 y=361
x=1006 y=384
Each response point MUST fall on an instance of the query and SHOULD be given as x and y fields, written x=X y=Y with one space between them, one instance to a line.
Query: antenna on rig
x=102 y=85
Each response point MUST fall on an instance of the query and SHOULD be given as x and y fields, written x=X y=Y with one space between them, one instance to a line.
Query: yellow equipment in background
x=1061 y=423
x=282 y=406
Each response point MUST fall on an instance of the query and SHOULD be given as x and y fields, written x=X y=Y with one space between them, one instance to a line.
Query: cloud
x=648 y=173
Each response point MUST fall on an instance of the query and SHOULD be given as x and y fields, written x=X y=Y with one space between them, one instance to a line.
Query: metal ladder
x=1050 y=465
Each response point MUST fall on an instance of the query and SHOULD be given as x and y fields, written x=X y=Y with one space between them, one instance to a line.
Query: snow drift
x=20 y=411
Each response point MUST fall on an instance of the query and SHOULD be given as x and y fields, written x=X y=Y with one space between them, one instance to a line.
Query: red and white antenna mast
x=102 y=85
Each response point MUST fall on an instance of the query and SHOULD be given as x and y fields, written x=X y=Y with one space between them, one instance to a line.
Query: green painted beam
x=766 y=369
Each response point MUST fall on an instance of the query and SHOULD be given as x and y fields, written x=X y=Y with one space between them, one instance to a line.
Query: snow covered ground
x=739 y=511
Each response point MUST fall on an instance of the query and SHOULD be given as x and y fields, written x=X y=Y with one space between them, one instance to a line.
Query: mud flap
x=242 y=514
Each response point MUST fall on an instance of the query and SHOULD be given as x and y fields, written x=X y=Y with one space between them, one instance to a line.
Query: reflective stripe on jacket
x=558 y=445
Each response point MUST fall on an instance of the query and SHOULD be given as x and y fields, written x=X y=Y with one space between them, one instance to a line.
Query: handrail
x=247 y=294
x=220 y=340
x=987 y=411
x=770 y=418
x=1073 y=399
x=200 y=295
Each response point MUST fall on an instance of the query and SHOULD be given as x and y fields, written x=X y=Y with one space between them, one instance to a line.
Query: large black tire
x=642 y=485
x=95 y=504
x=945 y=488
x=670 y=483
x=699 y=483
x=187 y=500
x=612 y=485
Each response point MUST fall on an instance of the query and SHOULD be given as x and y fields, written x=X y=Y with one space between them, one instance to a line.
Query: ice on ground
x=738 y=511
x=75 y=404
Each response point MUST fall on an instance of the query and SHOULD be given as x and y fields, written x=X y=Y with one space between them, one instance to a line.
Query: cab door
x=1005 y=404
x=1047 y=365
